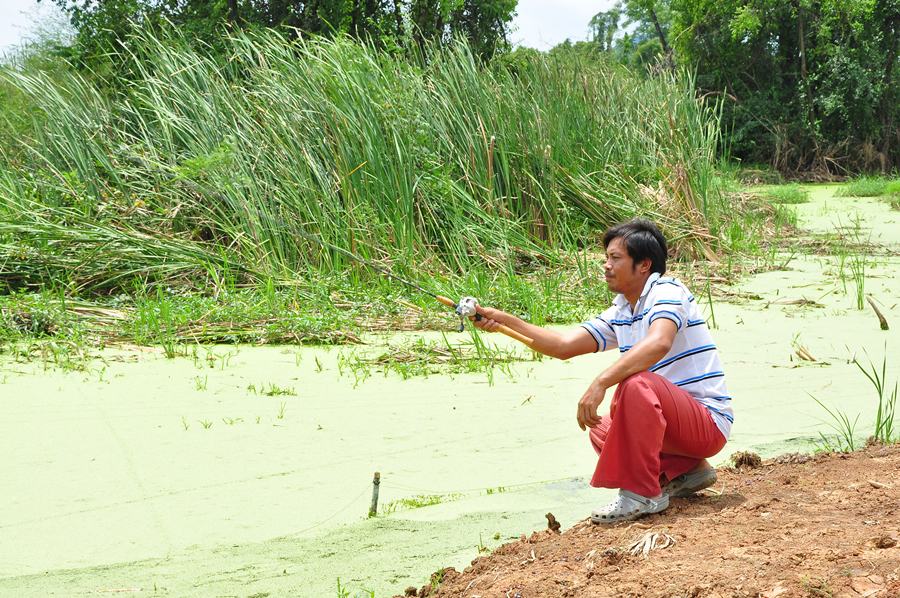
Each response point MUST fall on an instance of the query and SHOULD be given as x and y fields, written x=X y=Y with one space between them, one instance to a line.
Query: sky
x=542 y=24
x=24 y=19
x=539 y=24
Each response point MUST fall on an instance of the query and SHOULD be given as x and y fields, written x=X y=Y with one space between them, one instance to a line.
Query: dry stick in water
x=881 y=319
x=376 y=482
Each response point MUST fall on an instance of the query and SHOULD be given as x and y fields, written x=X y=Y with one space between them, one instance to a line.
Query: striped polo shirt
x=692 y=363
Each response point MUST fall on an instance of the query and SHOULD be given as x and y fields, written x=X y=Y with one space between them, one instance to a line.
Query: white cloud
x=541 y=24
x=22 y=20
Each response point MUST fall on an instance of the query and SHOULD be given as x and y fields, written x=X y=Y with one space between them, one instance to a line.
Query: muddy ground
x=821 y=526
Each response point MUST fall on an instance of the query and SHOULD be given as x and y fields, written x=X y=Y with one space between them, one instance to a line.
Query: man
x=671 y=409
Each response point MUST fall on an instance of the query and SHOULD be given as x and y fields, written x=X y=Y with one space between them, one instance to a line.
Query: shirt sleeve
x=602 y=331
x=671 y=301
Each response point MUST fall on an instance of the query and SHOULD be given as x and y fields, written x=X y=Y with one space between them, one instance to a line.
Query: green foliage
x=36 y=316
x=808 y=80
x=787 y=194
x=197 y=174
x=884 y=431
x=424 y=358
x=418 y=502
x=635 y=32
x=887 y=400
x=844 y=438
x=811 y=85
x=865 y=186
x=892 y=193
x=394 y=24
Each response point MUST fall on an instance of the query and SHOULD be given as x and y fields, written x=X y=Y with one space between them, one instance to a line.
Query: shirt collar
x=621 y=301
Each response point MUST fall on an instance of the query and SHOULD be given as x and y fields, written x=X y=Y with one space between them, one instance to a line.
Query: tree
x=635 y=32
x=814 y=80
x=102 y=23
x=604 y=26
x=812 y=84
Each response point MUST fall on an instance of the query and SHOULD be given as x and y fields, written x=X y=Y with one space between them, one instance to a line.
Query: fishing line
x=465 y=307
x=365 y=262
x=335 y=514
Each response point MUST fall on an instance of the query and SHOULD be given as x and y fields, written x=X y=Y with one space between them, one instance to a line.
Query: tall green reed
x=196 y=165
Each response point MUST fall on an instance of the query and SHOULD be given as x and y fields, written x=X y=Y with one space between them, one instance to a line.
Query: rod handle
x=516 y=335
x=448 y=302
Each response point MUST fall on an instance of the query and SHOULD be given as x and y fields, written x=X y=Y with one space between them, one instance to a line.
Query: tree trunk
x=399 y=18
x=233 y=11
x=356 y=18
x=888 y=102
x=804 y=78
x=309 y=20
x=659 y=31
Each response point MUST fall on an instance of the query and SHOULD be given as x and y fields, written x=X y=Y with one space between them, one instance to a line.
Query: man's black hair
x=643 y=240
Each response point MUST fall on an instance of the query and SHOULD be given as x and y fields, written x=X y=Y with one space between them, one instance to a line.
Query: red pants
x=654 y=428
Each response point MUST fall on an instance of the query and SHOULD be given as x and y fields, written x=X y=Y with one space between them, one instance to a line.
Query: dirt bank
x=818 y=526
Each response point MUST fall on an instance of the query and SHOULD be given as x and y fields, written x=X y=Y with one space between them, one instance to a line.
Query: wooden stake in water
x=376 y=481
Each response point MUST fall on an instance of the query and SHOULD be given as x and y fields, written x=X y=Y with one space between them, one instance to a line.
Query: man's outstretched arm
x=561 y=345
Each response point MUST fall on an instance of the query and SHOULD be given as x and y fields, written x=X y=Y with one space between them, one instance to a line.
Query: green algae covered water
x=248 y=470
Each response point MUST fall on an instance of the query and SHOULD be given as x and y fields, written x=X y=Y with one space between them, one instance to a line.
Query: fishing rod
x=464 y=308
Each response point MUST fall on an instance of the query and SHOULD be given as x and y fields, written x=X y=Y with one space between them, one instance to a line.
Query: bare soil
x=821 y=526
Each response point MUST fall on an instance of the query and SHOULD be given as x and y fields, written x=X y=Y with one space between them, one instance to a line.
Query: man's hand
x=587 y=406
x=487 y=321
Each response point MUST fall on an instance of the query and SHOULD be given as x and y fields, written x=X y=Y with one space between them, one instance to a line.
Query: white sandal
x=629 y=505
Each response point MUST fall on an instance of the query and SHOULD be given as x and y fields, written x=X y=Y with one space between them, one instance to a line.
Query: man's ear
x=645 y=265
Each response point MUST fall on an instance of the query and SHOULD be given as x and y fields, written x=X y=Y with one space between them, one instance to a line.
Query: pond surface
x=246 y=470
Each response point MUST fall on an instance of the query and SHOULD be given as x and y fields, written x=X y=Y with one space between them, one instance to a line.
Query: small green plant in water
x=273 y=390
x=892 y=193
x=712 y=311
x=858 y=263
x=864 y=186
x=424 y=358
x=858 y=269
x=844 y=440
x=417 y=502
x=482 y=549
x=788 y=194
x=887 y=403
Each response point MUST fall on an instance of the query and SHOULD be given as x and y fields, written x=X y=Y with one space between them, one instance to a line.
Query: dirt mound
x=828 y=526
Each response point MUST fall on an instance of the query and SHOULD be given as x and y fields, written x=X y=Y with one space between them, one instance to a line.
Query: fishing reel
x=465 y=309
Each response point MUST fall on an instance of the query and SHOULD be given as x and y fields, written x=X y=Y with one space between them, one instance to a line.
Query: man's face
x=620 y=272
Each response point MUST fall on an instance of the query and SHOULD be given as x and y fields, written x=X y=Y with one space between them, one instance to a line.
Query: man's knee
x=639 y=380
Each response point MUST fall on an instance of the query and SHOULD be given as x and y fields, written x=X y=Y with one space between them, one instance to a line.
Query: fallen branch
x=882 y=321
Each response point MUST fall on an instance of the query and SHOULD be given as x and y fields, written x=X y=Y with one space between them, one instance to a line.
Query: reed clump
x=196 y=172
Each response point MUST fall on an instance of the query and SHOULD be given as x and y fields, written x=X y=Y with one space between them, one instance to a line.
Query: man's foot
x=687 y=484
x=629 y=505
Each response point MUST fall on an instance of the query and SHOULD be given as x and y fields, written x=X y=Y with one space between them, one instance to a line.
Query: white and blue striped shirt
x=692 y=363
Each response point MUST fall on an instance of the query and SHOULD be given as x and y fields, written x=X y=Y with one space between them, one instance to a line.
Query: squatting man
x=670 y=410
